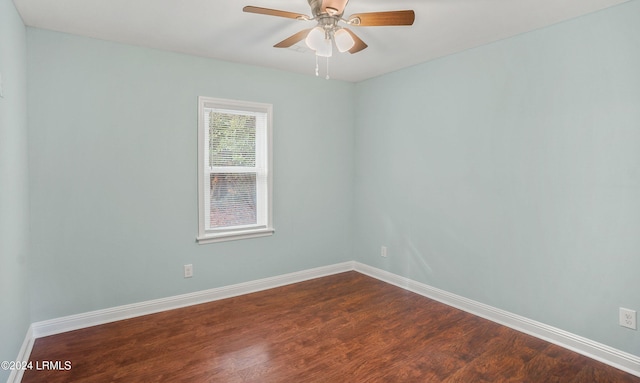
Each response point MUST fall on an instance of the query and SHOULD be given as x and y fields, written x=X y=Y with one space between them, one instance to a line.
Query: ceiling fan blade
x=274 y=12
x=359 y=44
x=335 y=6
x=289 y=41
x=375 y=19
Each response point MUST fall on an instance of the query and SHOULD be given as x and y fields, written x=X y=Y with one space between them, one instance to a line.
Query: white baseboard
x=93 y=318
x=23 y=355
x=608 y=355
x=619 y=359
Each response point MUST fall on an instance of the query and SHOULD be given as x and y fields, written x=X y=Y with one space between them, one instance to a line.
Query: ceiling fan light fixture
x=344 y=40
x=315 y=38
x=325 y=49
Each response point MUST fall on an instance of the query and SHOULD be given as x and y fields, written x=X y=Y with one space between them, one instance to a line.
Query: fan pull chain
x=318 y=68
x=327 y=77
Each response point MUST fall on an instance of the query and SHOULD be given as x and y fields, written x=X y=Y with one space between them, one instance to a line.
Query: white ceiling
x=219 y=29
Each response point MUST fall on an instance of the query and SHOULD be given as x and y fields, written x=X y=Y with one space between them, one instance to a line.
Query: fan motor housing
x=316 y=9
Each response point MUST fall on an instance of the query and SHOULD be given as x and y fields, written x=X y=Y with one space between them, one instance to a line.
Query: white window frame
x=263 y=163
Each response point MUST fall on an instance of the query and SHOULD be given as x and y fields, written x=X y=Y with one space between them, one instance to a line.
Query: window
x=234 y=170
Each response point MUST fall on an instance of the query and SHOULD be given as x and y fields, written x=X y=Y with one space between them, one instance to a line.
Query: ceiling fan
x=328 y=14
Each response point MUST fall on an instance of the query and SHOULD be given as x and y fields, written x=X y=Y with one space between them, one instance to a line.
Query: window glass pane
x=232 y=139
x=233 y=199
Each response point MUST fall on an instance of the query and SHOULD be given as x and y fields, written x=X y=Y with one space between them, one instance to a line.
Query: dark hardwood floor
x=342 y=328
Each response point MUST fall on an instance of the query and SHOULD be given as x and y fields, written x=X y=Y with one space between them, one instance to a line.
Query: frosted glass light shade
x=315 y=38
x=343 y=40
x=325 y=49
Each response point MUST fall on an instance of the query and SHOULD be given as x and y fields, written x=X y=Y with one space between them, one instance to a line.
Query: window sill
x=232 y=236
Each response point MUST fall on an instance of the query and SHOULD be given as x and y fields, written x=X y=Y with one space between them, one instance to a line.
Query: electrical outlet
x=188 y=271
x=383 y=251
x=628 y=318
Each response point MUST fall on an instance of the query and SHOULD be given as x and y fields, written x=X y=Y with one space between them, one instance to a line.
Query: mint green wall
x=510 y=174
x=113 y=139
x=14 y=191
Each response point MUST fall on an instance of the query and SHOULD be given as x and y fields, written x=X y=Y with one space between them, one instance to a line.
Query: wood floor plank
x=342 y=328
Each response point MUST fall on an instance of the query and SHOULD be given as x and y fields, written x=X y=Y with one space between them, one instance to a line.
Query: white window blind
x=235 y=171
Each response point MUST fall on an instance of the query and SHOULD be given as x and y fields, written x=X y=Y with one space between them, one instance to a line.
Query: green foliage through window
x=232 y=139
